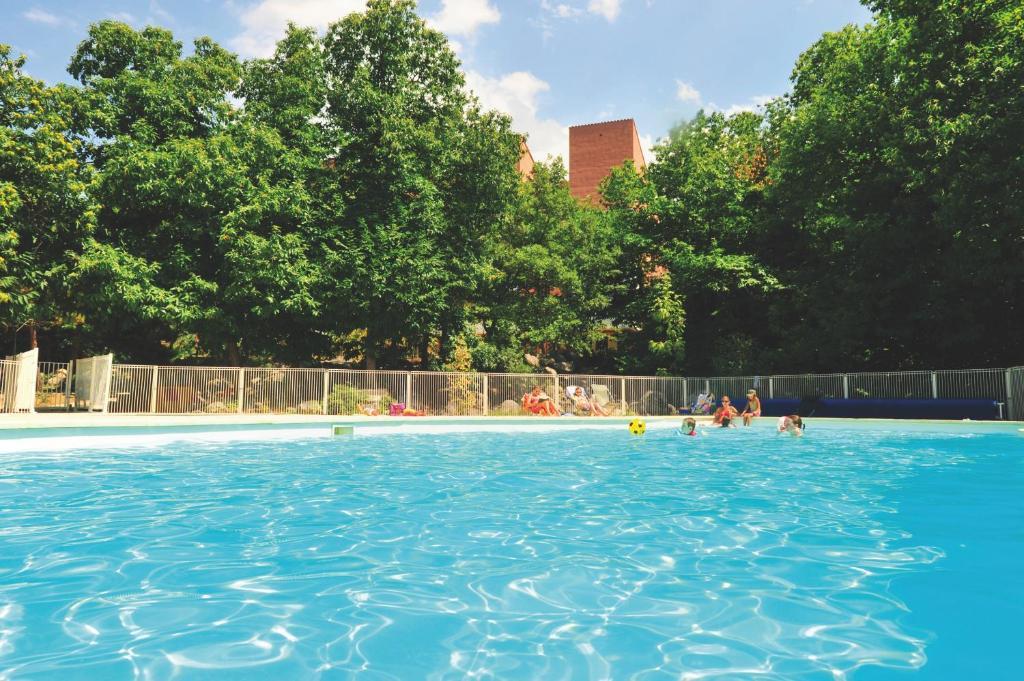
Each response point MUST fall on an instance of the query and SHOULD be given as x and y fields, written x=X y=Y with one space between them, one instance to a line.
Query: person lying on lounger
x=538 y=402
x=583 y=404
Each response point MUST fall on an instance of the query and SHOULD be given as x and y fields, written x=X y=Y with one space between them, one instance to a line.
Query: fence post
x=625 y=408
x=846 y=386
x=707 y=387
x=486 y=411
x=686 y=393
x=71 y=376
x=771 y=387
x=935 y=386
x=152 y=391
x=327 y=383
x=408 y=390
x=1011 y=412
x=241 y=391
x=109 y=360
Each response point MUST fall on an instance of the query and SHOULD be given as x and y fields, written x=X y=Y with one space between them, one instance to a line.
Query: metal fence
x=1015 y=393
x=53 y=386
x=180 y=390
x=958 y=384
x=8 y=384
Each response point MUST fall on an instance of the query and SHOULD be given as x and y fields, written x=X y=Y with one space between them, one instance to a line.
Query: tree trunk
x=234 y=353
x=424 y=353
x=33 y=336
x=370 y=349
x=442 y=345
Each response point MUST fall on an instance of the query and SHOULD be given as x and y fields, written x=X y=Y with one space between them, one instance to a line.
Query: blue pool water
x=858 y=552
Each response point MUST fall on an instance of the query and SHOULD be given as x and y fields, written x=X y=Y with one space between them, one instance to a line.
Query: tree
x=421 y=179
x=897 y=153
x=45 y=208
x=203 y=206
x=689 y=225
x=552 y=273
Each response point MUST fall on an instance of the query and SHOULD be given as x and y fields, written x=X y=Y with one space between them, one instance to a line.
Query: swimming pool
x=858 y=552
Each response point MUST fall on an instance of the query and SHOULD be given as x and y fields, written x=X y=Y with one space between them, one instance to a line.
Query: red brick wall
x=597 y=148
x=525 y=163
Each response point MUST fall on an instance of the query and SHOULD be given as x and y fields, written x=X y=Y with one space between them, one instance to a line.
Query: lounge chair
x=603 y=397
x=580 y=405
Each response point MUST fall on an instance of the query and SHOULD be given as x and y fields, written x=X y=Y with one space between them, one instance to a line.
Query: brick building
x=596 y=148
x=525 y=163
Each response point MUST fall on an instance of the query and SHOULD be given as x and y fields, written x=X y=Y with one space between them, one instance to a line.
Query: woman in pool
x=753 y=407
x=725 y=413
x=538 y=402
x=792 y=424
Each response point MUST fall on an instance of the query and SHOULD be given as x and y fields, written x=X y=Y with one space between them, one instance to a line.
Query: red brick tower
x=595 y=149
x=525 y=163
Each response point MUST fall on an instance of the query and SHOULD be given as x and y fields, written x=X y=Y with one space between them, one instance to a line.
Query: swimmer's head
x=726 y=421
x=690 y=424
x=798 y=422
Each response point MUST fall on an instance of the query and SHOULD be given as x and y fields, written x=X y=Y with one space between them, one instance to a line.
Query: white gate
x=92 y=382
x=20 y=382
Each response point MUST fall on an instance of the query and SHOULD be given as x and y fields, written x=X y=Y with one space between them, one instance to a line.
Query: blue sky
x=548 y=63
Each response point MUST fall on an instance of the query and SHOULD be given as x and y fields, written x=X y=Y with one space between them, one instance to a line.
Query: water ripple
x=529 y=556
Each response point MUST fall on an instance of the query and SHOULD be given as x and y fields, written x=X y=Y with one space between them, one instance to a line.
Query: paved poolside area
x=97 y=420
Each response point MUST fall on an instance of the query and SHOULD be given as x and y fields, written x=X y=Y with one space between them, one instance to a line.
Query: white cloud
x=162 y=15
x=609 y=9
x=561 y=10
x=687 y=93
x=126 y=17
x=264 y=22
x=647 y=143
x=40 y=16
x=517 y=95
x=753 y=104
x=464 y=17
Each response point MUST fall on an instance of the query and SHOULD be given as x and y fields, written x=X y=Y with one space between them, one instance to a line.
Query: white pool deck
x=64 y=433
x=97 y=420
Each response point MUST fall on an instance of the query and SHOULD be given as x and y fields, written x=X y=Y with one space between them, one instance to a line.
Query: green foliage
x=551 y=275
x=346 y=399
x=420 y=180
x=349 y=197
x=895 y=190
x=45 y=209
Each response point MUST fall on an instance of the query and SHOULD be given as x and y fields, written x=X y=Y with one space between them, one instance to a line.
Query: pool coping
x=82 y=423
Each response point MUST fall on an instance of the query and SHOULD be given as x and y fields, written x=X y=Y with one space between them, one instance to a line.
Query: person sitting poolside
x=753 y=408
x=538 y=402
x=792 y=424
x=583 y=404
x=725 y=413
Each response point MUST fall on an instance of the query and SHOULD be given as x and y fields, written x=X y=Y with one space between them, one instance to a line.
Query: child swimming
x=689 y=427
x=792 y=424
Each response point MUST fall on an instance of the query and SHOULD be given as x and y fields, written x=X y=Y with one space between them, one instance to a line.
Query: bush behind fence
x=185 y=390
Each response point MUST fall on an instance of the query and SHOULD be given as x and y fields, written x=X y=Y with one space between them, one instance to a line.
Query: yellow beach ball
x=637 y=427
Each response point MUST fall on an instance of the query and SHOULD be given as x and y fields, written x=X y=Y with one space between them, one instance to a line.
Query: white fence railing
x=19 y=375
x=133 y=388
x=53 y=386
x=92 y=382
x=1015 y=393
x=8 y=384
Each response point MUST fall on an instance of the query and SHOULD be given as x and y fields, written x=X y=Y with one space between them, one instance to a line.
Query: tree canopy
x=349 y=199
